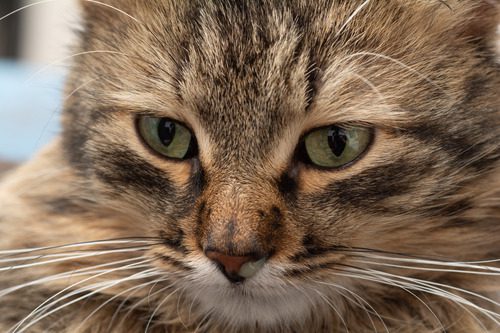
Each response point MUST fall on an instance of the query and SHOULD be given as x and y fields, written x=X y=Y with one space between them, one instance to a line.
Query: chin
x=264 y=302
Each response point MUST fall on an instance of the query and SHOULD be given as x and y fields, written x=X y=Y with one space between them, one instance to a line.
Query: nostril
x=237 y=268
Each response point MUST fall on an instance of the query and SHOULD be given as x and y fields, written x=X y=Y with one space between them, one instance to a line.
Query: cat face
x=253 y=227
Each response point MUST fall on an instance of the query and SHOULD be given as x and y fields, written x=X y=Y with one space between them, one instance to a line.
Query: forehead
x=246 y=70
x=246 y=74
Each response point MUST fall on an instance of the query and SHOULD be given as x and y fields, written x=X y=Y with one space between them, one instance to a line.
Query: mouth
x=237 y=268
x=265 y=298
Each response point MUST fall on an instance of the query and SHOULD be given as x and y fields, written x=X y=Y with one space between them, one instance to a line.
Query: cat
x=265 y=166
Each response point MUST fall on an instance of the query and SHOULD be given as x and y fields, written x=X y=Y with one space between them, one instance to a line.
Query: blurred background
x=35 y=42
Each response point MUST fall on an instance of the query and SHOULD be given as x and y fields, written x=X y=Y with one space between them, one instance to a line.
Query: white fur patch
x=265 y=299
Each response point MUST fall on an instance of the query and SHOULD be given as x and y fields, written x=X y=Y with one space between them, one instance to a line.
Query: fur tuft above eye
x=167 y=137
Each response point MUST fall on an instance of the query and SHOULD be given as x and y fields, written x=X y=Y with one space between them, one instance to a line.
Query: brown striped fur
x=250 y=77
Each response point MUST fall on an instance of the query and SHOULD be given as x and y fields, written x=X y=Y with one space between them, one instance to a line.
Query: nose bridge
x=240 y=218
x=238 y=196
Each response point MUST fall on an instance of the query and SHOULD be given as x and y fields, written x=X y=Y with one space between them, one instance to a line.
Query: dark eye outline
x=302 y=156
x=193 y=145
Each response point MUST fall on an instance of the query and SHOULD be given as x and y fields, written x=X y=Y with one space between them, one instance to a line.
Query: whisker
x=357 y=296
x=52 y=114
x=301 y=290
x=49 y=1
x=372 y=86
x=25 y=7
x=436 y=284
x=399 y=256
x=135 y=288
x=68 y=258
x=63 y=59
x=178 y=308
x=105 y=285
x=140 y=240
x=60 y=276
x=137 y=304
x=114 y=8
x=394 y=284
x=352 y=16
x=432 y=292
x=458 y=264
x=191 y=306
x=355 y=301
x=150 y=321
x=398 y=62
x=45 y=305
x=327 y=301
x=428 y=269
x=427 y=286
x=204 y=321
x=74 y=253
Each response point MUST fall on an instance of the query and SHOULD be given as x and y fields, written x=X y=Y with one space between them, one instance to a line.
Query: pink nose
x=231 y=265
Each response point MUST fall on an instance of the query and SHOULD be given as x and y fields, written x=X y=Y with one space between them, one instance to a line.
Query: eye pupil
x=166 y=131
x=337 y=140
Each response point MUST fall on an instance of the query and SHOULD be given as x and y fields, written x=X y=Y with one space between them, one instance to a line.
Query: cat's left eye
x=336 y=146
x=167 y=137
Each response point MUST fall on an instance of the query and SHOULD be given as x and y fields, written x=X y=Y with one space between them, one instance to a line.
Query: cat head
x=271 y=144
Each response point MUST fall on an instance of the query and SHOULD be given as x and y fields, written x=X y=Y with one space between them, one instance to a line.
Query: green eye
x=334 y=146
x=167 y=137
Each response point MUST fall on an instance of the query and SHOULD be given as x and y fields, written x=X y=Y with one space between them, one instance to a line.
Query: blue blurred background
x=29 y=109
x=31 y=77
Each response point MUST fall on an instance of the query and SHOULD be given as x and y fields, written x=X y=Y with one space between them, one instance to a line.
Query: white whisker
x=428 y=269
x=372 y=86
x=150 y=321
x=429 y=287
x=60 y=276
x=352 y=16
x=86 y=255
x=45 y=305
x=398 y=62
x=327 y=301
x=72 y=253
x=26 y=7
x=357 y=296
x=49 y=1
x=108 y=301
x=51 y=116
x=137 y=304
x=139 y=240
x=63 y=59
x=436 y=284
x=100 y=286
x=458 y=264
x=114 y=8
x=393 y=283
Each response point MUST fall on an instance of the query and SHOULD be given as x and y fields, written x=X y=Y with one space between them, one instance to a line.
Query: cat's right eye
x=167 y=137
